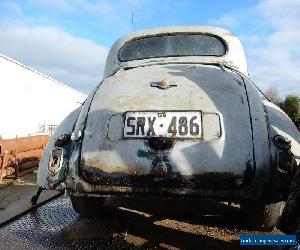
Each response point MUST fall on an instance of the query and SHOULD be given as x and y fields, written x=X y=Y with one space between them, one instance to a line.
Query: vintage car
x=176 y=115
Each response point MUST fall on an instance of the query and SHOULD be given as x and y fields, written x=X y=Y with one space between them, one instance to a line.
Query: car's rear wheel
x=87 y=206
x=261 y=216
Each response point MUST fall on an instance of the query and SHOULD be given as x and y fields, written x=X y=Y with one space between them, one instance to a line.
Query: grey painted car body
x=234 y=159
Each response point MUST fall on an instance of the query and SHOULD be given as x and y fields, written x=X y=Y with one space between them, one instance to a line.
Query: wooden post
x=16 y=163
x=4 y=161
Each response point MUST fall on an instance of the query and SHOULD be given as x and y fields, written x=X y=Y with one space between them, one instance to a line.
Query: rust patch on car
x=161 y=176
x=97 y=164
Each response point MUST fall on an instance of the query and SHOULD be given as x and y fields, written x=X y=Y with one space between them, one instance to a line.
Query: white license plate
x=178 y=124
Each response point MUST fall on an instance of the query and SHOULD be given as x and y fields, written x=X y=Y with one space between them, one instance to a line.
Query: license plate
x=177 y=124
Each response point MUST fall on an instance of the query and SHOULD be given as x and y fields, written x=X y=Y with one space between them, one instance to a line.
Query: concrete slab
x=15 y=198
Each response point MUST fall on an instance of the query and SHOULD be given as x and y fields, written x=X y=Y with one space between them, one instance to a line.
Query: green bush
x=291 y=105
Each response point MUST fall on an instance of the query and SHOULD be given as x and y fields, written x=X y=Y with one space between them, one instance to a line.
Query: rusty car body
x=176 y=115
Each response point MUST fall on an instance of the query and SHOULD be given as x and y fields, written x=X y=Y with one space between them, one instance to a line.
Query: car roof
x=234 y=57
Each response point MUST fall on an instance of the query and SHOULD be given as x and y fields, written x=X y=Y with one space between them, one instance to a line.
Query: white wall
x=29 y=99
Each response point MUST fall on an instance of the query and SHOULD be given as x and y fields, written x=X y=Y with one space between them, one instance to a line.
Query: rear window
x=172 y=45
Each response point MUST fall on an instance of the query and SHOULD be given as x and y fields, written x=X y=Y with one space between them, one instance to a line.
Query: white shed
x=31 y=102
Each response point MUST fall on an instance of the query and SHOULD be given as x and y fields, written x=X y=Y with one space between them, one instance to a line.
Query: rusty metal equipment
x=20 y=155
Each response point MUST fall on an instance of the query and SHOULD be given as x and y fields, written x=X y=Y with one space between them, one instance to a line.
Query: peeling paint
x=233 y=157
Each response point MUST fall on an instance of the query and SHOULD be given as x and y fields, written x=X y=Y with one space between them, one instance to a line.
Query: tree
x=291 y=106
x=272 y=94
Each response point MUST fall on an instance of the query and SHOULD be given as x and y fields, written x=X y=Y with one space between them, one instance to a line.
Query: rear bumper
x=225 y=187
x=163 y=180
x=103 y=190
x=210 y=185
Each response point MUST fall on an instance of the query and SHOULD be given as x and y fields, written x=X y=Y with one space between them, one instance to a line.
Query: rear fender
x=283 y=161
x=65 y=128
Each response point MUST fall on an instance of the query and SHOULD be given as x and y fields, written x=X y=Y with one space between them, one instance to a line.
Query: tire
x=87 y=206
x=259 y=216
x=288 y=221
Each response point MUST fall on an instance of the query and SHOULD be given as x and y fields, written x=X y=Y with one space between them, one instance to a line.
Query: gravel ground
x=140 y=223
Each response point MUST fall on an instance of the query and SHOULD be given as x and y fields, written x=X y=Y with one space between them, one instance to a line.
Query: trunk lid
x=221 y=158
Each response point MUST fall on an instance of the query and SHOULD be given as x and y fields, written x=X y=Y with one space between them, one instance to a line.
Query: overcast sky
x=69 y=39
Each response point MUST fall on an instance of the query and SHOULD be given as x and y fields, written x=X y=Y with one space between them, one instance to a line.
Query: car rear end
x=140 y=137
x=176 y=114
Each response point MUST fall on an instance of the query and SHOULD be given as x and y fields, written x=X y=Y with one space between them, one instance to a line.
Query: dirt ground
x=143 y=222
x=15 y=196
x=154 y=223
